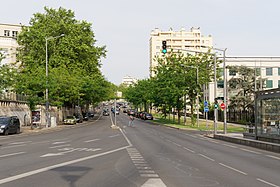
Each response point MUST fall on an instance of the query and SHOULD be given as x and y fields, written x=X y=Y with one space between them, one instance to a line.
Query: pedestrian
x=131 y=119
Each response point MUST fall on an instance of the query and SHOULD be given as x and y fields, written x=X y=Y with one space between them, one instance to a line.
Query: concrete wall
x=21 y=110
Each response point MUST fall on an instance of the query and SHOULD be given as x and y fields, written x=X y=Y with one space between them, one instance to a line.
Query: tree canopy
x=74 y=74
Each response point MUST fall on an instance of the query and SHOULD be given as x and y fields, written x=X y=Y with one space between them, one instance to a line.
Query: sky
x=244 y=27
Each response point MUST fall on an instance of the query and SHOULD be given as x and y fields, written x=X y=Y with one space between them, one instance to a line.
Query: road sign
x=206 y=109
x=223 y=106
x=205 y=103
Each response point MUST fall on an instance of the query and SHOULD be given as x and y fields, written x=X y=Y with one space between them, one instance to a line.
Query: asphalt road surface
x=93 y=154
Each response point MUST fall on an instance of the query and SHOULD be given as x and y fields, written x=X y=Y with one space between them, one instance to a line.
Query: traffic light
x=164 y=50
x=216 y=103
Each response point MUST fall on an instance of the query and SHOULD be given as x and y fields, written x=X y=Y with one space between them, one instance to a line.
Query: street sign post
x=223 y=106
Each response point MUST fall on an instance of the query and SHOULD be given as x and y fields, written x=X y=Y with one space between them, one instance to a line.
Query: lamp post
x=47 y=75
x=225 y=87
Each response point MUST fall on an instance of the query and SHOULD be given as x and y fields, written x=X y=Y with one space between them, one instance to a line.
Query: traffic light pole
x=215 y=94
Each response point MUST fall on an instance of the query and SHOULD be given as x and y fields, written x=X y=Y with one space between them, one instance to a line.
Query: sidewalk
x=28 y=130
x=239 y=139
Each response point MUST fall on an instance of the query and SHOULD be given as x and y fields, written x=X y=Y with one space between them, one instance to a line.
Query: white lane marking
x=250 y=151
x=23 y=175
x=149 y=175
x=147 y=171
x=188 y=149
x=138 y=159
x=17 y=143
x=177 y=144
x=153 y=182
x=129 y=143
x=142 y=164
x=233 y=169
x=114 y=136
x=206 y=157
x=268 y=183
x=275 y=157
x=228 y=145
x=12 y=146
x=93 y=140
x=143 y=167
x=139 y=162
x=58 y=143
x=12 y=154
x=58 y=146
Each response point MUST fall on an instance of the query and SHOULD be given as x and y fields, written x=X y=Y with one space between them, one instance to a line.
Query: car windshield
x=4 y=120
x=69 y=117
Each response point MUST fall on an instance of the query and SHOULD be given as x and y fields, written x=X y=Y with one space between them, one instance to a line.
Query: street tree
x=242 y=88
x=73 y=59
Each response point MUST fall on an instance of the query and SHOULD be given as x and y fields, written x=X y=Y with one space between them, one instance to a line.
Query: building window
x=6 y=33
x=220 y=84
x=279 y=71
x=278 y=83
x=258 y=71
x=14 y=34
x=232 y=72
x=221 y=72
x=269 y=83
x=268 y=71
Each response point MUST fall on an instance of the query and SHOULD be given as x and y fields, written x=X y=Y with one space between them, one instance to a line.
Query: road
x=94 y=154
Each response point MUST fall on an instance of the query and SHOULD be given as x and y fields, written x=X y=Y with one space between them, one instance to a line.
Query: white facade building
x=8 y=42
x=128 y=80
x=185 y=40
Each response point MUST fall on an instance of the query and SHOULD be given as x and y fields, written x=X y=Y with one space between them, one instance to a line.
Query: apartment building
x=128 y=80
x=8 y=42
x=185 y=40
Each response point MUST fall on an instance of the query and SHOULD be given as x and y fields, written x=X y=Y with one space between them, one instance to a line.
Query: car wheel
x=6 y=132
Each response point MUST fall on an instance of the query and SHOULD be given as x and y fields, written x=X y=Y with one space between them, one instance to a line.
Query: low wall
x=21 y=110
x=249 y=142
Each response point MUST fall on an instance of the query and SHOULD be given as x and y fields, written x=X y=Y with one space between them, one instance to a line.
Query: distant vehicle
x=117 y=111
x=79 y=118
x=106 y=113
x=147 y=116
x=9 y=125
x=131 y=112
x=70 y=120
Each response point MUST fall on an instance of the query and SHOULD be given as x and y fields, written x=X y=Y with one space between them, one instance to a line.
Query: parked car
x=147 y=116
x=131 y=112
x=79 y=118
x=117 y=112
x=9 y=125
x=106 y=113
x=70 y=120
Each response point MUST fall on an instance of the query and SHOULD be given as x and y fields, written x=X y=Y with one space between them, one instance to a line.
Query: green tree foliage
x=176 y=77
x=242 y=87
x=73 y=60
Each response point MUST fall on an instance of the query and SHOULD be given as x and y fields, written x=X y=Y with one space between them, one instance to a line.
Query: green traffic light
x=164 y=51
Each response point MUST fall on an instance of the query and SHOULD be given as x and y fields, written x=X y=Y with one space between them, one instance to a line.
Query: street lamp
x=225 y=87
x=47 y=75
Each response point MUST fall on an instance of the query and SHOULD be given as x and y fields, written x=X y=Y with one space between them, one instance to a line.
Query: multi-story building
x=128 y=80
x=191 y=40
x=266 y=68
x=8 y=42
x=8 y=48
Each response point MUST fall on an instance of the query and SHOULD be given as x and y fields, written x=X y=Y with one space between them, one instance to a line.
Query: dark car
x=9 y=125
x=147 y=116
x=106 y=113
x=79 y=118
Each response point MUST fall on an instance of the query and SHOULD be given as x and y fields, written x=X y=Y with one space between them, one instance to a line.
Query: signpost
x=206 y=110
x=223 y=106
